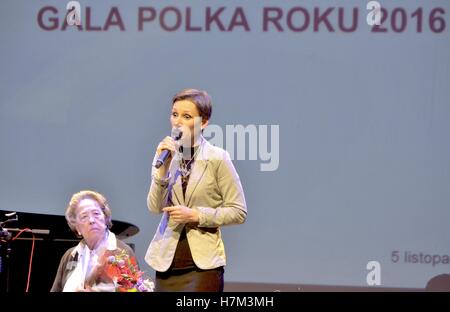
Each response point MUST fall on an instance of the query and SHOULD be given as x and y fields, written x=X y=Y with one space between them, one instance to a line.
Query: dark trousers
x=190 y=280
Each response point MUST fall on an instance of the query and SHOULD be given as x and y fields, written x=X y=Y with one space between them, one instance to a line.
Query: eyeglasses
x=86 y=216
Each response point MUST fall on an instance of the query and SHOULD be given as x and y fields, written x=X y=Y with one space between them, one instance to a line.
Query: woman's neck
x=95 y=243
x=197 y=142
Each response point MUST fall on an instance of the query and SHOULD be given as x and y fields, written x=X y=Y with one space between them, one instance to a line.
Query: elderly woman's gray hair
x=71 y=211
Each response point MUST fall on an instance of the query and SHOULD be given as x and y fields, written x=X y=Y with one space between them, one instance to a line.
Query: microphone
x=176 y=135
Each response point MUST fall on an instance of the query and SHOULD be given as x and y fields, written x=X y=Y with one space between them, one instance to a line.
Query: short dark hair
x=200 y=98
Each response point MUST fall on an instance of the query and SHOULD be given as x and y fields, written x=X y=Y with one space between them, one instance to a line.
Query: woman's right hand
x=168 y=143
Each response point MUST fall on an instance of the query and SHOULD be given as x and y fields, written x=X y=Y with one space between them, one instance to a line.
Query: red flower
x=123 y=271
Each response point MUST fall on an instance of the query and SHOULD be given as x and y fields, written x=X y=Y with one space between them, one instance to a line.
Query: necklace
x=185 y=168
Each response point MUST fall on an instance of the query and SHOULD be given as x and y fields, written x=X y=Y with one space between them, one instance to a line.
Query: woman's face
x=186 y=116
x=90 y=220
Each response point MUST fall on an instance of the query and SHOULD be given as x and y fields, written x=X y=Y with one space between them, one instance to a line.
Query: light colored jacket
x=214 y=190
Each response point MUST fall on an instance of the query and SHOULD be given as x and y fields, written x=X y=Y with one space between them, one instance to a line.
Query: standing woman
x=197 y=190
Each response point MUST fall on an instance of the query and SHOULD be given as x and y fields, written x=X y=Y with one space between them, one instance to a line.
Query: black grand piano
x=52 y=238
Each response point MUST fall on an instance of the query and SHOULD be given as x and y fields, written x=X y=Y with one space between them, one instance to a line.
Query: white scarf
x=87 y=260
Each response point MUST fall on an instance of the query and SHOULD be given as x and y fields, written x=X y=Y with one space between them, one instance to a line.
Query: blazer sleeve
x=233 y=209
x=157 y=197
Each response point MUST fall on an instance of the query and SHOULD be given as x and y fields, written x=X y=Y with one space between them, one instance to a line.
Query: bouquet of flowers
x=122 y=270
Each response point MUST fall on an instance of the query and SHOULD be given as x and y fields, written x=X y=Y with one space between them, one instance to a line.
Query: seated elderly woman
x=82 y=268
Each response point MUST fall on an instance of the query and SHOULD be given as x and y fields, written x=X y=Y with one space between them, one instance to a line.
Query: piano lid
x=56 y=227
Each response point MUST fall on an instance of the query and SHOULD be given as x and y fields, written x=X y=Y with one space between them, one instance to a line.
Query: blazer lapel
x=199 y=168
x=177 y=191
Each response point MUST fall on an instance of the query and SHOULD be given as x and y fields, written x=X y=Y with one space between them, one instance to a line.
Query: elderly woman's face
x=186 y=116
x=90 y=219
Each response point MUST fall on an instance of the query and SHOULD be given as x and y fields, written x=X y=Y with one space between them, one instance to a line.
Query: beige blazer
x=215 y=191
